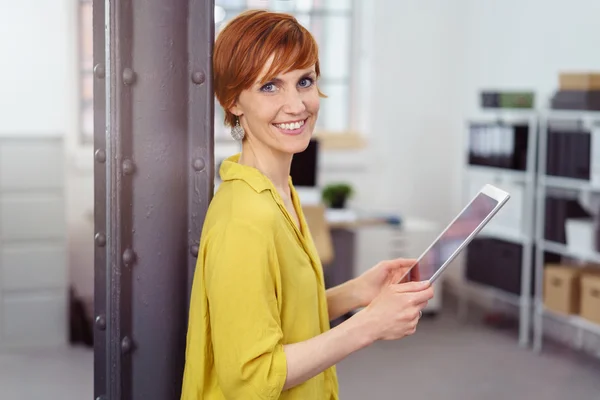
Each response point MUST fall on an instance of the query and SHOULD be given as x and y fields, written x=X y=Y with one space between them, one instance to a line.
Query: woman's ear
x=236 y=110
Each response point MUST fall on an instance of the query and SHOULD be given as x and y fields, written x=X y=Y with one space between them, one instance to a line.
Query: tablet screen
x=451 y=239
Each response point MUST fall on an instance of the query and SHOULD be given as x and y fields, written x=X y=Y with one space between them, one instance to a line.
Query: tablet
x=458 y=234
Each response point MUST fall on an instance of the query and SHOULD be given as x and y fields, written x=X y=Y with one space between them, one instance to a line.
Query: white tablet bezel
x=495 y=193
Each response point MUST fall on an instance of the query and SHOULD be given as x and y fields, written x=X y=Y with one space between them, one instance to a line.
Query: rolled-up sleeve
x=241 y=279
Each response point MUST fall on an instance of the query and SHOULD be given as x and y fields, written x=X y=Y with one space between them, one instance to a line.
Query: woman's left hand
x=369 y=284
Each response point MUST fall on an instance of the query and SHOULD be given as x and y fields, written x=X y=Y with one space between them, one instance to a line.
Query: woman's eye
x=269 y=87
x=305 y=82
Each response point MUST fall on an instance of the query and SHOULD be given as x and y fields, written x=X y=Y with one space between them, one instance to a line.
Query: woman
x=259 y=313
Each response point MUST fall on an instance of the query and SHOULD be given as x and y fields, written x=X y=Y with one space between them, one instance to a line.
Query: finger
x=402 y=263
x=412 y=286
x=420 y=297
x=402 y=268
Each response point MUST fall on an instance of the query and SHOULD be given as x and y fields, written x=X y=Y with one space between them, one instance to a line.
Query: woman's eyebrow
x=277 y=80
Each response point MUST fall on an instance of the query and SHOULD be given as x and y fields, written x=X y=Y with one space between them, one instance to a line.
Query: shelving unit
x=545 y=183
x=523 y=233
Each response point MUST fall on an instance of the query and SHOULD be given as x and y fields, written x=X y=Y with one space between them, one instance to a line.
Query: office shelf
x=573 y=320
x=571 y=115
x=496 y=294
x=506 y=234
x=557 y=182
x=585 y=120
x=536 y=185
x=523 y=232
x=564 y=250
x=505 y=173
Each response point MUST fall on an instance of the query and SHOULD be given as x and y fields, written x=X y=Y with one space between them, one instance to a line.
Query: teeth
x=291 y=126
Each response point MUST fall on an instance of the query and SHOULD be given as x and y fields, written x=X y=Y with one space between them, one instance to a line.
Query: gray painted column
x=154 y=170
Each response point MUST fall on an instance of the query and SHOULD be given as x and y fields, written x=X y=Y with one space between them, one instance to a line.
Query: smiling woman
x=268 y=77
x=259 y=312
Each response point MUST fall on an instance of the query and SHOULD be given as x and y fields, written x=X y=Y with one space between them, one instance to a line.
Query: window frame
x=85 y=138
x=350 y=82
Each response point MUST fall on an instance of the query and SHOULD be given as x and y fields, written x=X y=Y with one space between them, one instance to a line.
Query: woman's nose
x=294 y=103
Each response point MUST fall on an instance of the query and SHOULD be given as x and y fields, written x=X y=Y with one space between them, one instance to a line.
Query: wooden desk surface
x=359 y=223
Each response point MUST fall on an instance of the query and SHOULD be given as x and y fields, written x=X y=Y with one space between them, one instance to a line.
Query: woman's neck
x=274 y=165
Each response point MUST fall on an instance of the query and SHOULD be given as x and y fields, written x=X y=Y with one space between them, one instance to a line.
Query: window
x=331 y=23
x=86 y=69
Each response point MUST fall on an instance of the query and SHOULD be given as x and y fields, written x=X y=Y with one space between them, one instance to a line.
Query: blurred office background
x=428 y=101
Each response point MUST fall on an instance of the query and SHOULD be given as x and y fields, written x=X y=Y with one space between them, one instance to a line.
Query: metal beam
x=154 y=169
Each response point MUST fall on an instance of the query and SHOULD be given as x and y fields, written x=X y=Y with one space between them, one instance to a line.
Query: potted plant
x=336 y=194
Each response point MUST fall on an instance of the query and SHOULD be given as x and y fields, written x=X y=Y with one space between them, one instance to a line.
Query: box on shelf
x=580 y=234
x=562 y=288
x=576 y=100
x=507 y=99
x=579 y=80
x=590 y=296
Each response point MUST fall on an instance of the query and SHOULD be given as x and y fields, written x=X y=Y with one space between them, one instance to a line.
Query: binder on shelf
x=498 y=145
x=497 y=263
x=580 y=155
x=597 y=232
x=552 y=153
x=595 y=156
x=557 y=211
x=569 y=154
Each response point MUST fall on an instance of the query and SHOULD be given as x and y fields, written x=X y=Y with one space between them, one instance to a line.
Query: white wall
x=39 y=97
x=415 y=80
x=428 y=62
x=525 y=44
x=423 y=64
x=33 y=71
x=34 y=91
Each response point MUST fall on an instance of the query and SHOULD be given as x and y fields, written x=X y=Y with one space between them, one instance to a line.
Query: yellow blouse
x=258 y=285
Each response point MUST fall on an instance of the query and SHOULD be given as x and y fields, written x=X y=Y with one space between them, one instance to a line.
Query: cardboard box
x=590 y=296
x=562 y=288
x=579 y=81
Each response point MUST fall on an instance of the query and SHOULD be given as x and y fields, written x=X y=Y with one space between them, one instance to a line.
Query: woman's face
x=281 y=113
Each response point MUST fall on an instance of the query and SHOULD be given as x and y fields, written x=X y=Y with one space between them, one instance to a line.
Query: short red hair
x=244 y=46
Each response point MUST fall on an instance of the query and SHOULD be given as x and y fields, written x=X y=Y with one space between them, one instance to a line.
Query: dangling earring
x=237 y=132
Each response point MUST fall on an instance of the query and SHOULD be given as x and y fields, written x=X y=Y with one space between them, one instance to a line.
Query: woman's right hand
x=395 y=312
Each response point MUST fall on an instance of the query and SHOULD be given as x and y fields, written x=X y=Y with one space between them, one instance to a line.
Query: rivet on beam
x=199 y=164
x=101 y=322
x=126 y=345
x=198 y=77
x=128 y=257
x=100 y=239
x=128 y=167
x=194 y=250
x=99 y=71
x=128 y=76
x=100 y=156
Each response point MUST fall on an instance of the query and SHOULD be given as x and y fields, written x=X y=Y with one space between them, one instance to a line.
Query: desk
x=342 y=266
x=360 y=244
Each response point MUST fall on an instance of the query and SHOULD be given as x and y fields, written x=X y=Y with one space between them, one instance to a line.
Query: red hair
x=245 y=45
